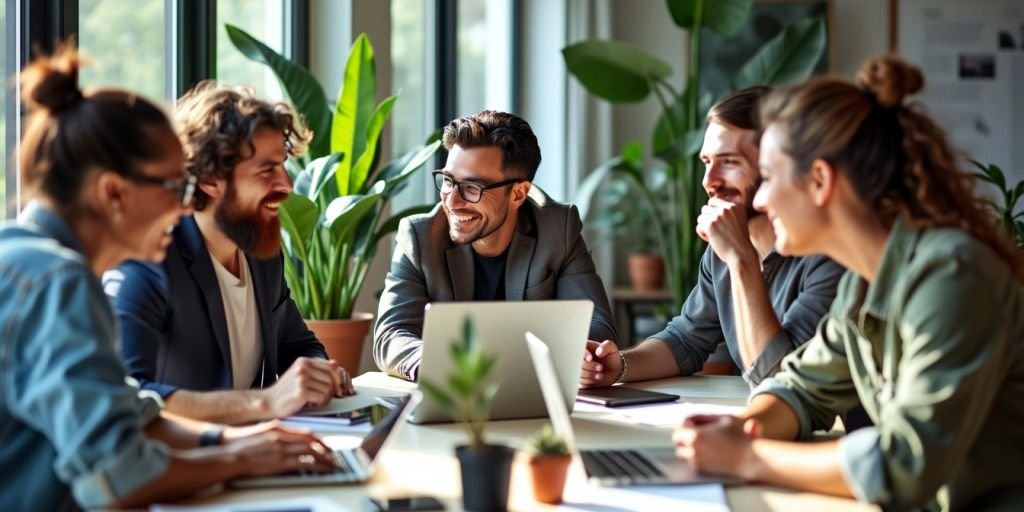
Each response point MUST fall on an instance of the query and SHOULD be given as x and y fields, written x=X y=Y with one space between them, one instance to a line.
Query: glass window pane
x=264 y=20
x=411 y=118
x=126 y=45
x=484 y=56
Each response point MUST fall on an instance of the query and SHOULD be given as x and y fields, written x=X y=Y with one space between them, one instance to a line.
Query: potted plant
x=670 y=183
x=337 y=213
x=468 y=394
x=549 y=464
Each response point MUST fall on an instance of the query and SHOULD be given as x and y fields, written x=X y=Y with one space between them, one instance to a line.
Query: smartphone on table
x=404 y=504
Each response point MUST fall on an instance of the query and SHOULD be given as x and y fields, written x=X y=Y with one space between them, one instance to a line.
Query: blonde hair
x=898 y=160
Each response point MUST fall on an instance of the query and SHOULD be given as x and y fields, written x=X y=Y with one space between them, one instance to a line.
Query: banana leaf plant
x=669 y=184
x=335 y=217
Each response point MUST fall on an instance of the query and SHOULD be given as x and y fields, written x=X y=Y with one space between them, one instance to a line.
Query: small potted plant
x=549 y=463
x=468 y=394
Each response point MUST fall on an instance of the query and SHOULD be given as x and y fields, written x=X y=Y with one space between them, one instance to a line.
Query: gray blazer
x=547 y=259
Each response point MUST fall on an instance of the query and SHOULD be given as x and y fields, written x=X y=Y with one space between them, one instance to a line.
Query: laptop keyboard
x=341 y=464
x=620 y=466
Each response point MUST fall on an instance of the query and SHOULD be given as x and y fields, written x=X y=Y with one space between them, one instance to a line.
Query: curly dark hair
x=216 y=124
x=510 y=133
x=899 y=161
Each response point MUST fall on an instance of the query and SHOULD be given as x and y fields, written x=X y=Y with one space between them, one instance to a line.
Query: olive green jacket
x=934 y=350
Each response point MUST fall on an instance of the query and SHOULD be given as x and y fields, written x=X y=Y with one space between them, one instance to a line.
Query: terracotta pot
x=646 y=271
x=548 y=474
x=343 y=339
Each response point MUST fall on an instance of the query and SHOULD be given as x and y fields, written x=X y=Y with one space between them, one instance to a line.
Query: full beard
x=247 y=229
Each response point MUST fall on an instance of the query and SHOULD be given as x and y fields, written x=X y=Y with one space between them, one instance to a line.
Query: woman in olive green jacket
x=927 y=328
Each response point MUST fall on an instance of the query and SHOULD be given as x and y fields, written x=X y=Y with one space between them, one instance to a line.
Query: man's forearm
x=756 y=321
x=651 y=359
x=814 y=467
x=230 y=407
x=775 y=418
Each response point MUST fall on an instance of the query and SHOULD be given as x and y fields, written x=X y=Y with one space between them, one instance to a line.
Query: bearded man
x=493 y=236
x=761 y=304
x=213 y=329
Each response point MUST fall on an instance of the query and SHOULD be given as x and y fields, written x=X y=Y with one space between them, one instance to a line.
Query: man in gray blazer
x=492 y=237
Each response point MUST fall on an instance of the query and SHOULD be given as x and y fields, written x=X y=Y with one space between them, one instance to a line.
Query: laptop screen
x=384 y=415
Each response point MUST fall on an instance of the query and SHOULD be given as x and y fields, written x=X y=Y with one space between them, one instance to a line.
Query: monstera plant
x=338 y=211
x=669 y=184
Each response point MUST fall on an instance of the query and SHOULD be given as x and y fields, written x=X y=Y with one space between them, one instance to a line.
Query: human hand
x=720 y=444
x=345 y=387
x=308 y=381
x=601 y=364
x=724 y=226
x=270 y=448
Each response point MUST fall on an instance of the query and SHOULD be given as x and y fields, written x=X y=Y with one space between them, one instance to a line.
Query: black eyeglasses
x=471 y=191
x=184 y=187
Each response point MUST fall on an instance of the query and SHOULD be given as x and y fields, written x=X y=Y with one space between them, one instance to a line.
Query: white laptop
x=357 y=464
x=610 y=467
x=500 y=327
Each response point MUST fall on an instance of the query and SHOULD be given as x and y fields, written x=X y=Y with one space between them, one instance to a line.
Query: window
x=263 y=20
x=7 y=164
x=126 y=45
x=412 y=118
x=484 y=60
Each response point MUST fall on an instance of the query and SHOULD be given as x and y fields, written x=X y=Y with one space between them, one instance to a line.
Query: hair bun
x=51 y=83
x=890 y=79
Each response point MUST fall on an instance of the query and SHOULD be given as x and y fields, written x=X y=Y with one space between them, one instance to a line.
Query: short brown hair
x=216 y=124
x=740 y=108
x=507 y=132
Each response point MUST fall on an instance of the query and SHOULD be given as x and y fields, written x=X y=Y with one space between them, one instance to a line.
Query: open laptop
x=611 y=467
x=354 y=465
x=500 y=327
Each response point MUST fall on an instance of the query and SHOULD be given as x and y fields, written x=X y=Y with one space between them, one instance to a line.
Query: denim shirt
x=934 y=350
x=70 y=424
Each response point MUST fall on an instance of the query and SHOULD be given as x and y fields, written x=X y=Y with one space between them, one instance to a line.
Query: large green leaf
x=299 y=217
x=357 y=180
x=725 y=17
x=789 y=57
x=355 y=107
x=588 y=187
x=346 y=213
x=391 y=225
x=302 y=88
x=614 y=71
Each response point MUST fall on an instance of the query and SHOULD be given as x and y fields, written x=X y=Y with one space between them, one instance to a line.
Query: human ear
x=520 y=191
x=821 y=181
x=109 y=193
x=212 y=188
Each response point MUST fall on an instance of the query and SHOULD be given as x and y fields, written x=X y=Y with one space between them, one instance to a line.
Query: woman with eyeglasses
x=105 y=178
x=927 y=328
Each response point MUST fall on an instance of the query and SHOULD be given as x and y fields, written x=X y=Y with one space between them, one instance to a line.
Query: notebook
x=610 y=467
x=356 y=464
x=500 y=327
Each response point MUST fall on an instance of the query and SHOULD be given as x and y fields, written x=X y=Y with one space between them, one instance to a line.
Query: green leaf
x=434 y=391
x=355 y=107
x=589 y=186
x=996 y=176
x=321 y=173
x=396 y=173
x=725 y=17
x=391 y=225
x=614 y=71
x=344 y=215
x=789 y=57
x=357 y=180
x=304 y=91
x=299 y=217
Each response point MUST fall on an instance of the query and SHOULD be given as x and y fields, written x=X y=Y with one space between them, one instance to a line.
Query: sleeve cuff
x=140 y=461
x=161 y=390
x=767 y=364
x=862 y=464
x=773 y=387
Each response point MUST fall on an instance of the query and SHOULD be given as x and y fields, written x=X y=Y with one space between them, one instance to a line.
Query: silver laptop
x=500 y=327
x=354 y=465
x=610 y=467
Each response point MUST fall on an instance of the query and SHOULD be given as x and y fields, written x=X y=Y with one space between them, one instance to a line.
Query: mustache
x=725 y=191
x=274 y=197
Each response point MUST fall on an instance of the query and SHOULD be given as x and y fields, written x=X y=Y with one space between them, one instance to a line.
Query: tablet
x=616 y=396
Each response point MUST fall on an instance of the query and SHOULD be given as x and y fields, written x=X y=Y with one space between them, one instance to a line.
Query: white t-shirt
x=243 y=321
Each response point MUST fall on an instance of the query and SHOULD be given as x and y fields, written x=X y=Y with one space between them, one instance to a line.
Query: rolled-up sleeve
x=818 y=280
x=66 y=381
x=863 y=465
x=696 y=332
